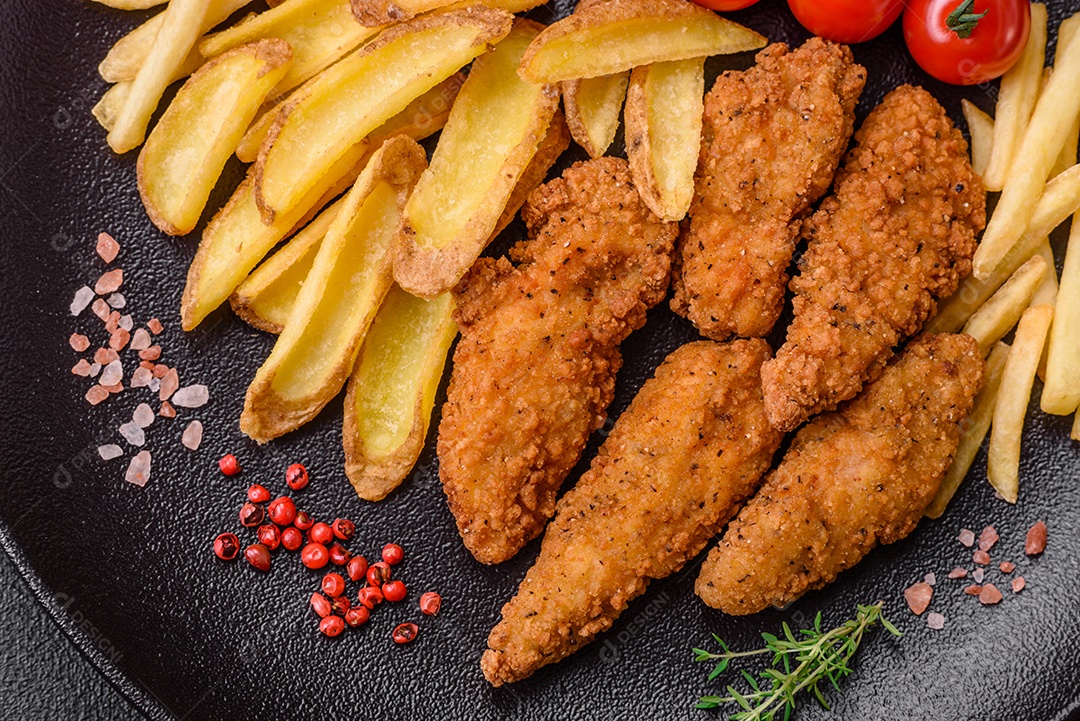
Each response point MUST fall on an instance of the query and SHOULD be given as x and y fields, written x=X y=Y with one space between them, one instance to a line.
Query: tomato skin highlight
x=846 y=21
x=725 y=5
x=994 y=46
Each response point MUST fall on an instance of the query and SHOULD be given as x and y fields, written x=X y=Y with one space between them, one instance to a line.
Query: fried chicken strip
x=852 y=479
x=772 y=138
x=535 y=368
x=691 y=447
x=898 y=233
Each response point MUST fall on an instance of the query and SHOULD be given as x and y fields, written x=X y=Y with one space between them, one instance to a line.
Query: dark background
x=128 y=574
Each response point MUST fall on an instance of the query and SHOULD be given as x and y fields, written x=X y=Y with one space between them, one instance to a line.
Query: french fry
x=664 y=105
x=360 y=93
x=981 y=127
x=1044 y=138
x=391 y=391
x=131 y=4
x=619 y=35
x=1067 y=158
x=320 y=32
x=1046 y=294
x=592 y=110
x=998 y=315
x=1003 y=464
x=184 y=155
x=975 y=428
x=1060 y=200
x=112 y=101
x=1016 y=101
x=351 y=275
x=180 y=28
x=266 y=297
x=127 y=55
x=1061 y=393
x=493 y=132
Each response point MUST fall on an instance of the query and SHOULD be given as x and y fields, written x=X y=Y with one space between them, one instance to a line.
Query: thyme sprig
x=799 y=663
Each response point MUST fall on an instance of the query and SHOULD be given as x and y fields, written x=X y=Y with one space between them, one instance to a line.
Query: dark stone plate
x=128 y=573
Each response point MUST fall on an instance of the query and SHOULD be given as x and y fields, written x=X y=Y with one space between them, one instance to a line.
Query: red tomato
x=724 y=5
x=994 y=44
x=846 y=21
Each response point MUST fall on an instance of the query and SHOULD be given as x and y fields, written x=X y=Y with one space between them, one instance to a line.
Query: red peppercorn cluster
x=278 y=524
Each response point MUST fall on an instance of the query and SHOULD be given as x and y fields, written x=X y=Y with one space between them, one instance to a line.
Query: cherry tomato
x=966 y=42
x=725 y=5
x=846 y=21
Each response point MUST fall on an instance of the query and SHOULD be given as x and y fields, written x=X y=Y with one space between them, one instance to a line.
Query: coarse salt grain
x=150 y=354
x=82 y=368
x=1007 y=566
x=107 y=247
x=170 y=381
x=160 y=370
x=95 y=368
x=988 y=538
x=958 y=573
x=192 y=435
x=109 y=282
x=110 y=451
x=105 y=356
x=193 y=396
x=83 y=297
x=114 y=388
x=989 y=595
x=143 y=415
x=126 y=323
x=1035 y=543
x=966 y=537
x=116 y=300
x=981 y=557
x=167 y=411
x=78 y=342
x=119 y=339
x=154 y=385
x=918 y=597
x=930 y=578
x=935 y=621
x=133 y=434
x=113 y=373
x=155 y=326
x=112 y=322
x=141 y=378
x=138 y=471
x=973 y=590
x=100 y=308
x=978 y=575
x=96 y=395
x=140 y=339
x=1018 y=584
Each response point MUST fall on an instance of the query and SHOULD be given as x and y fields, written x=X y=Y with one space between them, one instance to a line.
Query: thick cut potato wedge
x=998 y=315
x=383 y=12
x=663 y=133
x=392 y=390
x=1003 y=459
x=320 y=32
x=592 y=110
x=493 y=133
x=360 y=93
x=1046 y=134
x=1061 y=394
x=315 y=352
x=618 y=35
x=551 y=147
x=184 y=155
x=181 y=26
x=975 y=428
x=127 y=55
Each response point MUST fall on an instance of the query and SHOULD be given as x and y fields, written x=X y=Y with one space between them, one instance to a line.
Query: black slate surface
x=186 y=636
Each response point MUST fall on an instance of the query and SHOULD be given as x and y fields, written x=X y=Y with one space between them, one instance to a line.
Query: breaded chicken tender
x=693 y=444
x=535 y=368
x=897 y=234
x=852 y=479
x=772 y=138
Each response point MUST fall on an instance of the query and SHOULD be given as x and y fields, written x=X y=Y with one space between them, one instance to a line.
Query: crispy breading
x=852 y=479
x=772 y=138
x=691 y=447
x=897 y=233
x=535 y=368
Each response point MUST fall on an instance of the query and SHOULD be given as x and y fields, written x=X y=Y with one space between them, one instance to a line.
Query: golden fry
x=998 y=315
x=592 y=110
x=1061 y=393
x=131 y=4
x=981 y=127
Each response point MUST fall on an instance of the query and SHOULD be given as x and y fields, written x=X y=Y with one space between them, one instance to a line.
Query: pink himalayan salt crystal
x=150 y=354
x=989 y=595
x=116 y=300
x=155 y=326
x=83 y=297
x=192 y=435
x=109 y=282
x=935 y=621
x=966 y=537
x=95 y=368
x=170 y=381
x=140 y=339
x=167 y=411
x=981 y=557
x=78 y=342
x=107 y=247
x=978 y=575
x=1018 y=584
x=918 y=597
x=160 y=370
x=100 y=308
x=112 y=374
x=115 y=388
x=141 y=378
x=112 y=322
x=958 y=572
x=119 y=339
x=154 y=385
x=1007 y=566
x=138 y=471
x=193 y=396
x=110 y=451
x=126 y=323
x=930 y=578
x=105 y=356
x=143 y=415
x=1035 y=542
x=82 y=368
x=96 y=395
x=988 y=538
x=132 y=433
